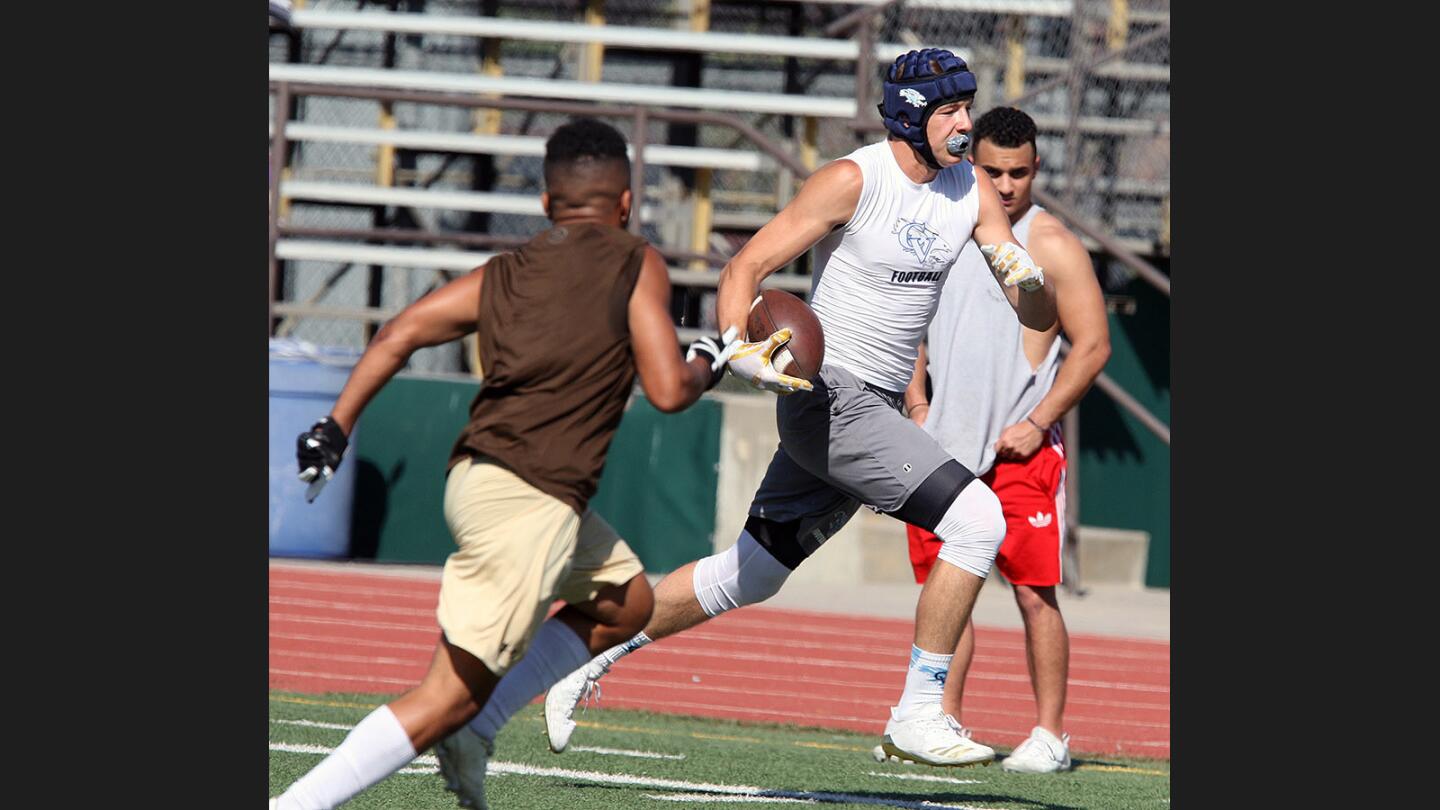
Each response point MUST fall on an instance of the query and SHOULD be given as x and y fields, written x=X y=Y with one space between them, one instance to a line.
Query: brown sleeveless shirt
x=554 y=332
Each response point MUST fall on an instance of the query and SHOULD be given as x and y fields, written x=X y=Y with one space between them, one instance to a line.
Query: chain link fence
x=1103 y=144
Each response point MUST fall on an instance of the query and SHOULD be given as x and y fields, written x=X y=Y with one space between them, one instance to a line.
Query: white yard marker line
x=314 y=724
x=710 y=797
x=622 y=752
x=500 y=768
x=923 y=778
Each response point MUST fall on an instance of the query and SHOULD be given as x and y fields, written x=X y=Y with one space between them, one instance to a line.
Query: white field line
x=712 y=798
x=917 y=777
x=625 y=752
x=314 y=724
x=498 y=768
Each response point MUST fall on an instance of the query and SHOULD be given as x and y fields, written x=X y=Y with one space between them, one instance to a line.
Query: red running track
x=346 y=631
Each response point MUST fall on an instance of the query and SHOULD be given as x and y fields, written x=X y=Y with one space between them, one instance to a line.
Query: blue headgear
x=919 y=90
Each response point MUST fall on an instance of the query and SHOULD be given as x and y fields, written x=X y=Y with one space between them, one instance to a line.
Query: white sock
x=555 y=652
x=377 y=747
x=610 y=656
x=924 y=680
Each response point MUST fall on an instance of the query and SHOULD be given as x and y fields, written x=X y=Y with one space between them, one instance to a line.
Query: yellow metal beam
x=809 y=143
x=1015 y=58
x=487 y=122
x=699 y=15
x=701 y=218
x=1118 y=29
x=385 y=160
x=593 y=61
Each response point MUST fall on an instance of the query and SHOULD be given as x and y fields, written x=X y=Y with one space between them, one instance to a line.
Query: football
x=777 y=309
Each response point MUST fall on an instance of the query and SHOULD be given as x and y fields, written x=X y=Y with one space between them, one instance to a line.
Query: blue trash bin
x=304 y=382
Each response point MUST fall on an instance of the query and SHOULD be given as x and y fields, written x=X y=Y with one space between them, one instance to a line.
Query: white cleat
x=1042 y=752
x=463 y=758
x=275 y=803
x=563 y=697
x=929 y=736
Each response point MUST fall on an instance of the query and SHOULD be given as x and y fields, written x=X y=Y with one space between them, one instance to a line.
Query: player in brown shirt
x=565 y=323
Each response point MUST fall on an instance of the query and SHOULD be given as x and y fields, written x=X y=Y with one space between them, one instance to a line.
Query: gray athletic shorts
x=842 y=445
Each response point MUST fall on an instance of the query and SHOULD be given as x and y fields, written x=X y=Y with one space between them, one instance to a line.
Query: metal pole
x=864 y=68
x=1144 y=269
x=1070 y=426
x=278 y=148
x=1075 y=96
x=1124 y=400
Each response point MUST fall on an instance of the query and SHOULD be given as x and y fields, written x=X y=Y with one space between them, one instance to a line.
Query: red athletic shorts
x=1032 y=495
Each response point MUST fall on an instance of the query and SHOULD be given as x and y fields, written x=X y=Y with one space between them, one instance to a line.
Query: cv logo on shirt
x=1040 y=519
x=918 y=240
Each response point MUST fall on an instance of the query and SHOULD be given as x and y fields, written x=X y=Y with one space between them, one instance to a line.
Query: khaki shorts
x=519 y=551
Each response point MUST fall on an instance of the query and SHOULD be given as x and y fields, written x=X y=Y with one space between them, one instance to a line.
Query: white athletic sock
x=924 y=680
x=377 y=747
x=610 y=656
x=555 y=652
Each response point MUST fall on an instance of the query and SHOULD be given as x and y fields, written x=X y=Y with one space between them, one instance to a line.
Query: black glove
x=319 y=449
x=716 y=350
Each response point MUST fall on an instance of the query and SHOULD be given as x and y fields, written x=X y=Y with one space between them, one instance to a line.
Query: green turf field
x=699 y=763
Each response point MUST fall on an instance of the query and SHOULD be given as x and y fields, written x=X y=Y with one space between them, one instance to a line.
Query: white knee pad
x=972 y=529
x=740 y=575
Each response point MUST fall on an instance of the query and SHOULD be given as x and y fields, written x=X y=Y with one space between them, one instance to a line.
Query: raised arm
x=1010 y=263
x=827 y=199
x=670 y=383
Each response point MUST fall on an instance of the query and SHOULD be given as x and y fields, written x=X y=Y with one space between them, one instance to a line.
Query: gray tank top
x=981 y=378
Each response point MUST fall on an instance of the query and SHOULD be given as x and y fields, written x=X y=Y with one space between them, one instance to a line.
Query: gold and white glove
x=1014 y=266
x=752 y=362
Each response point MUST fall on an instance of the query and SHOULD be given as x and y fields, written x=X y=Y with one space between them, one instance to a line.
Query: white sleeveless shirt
x=981 y=377
x=877 y=281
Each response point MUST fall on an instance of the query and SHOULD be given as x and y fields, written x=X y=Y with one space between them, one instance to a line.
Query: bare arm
x=444 y=315
x=826 y=200
x=1081 y=308
x=670 y=383
x=1036 y=309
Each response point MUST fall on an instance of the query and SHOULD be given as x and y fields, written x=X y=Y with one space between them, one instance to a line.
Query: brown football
x=777 y=309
